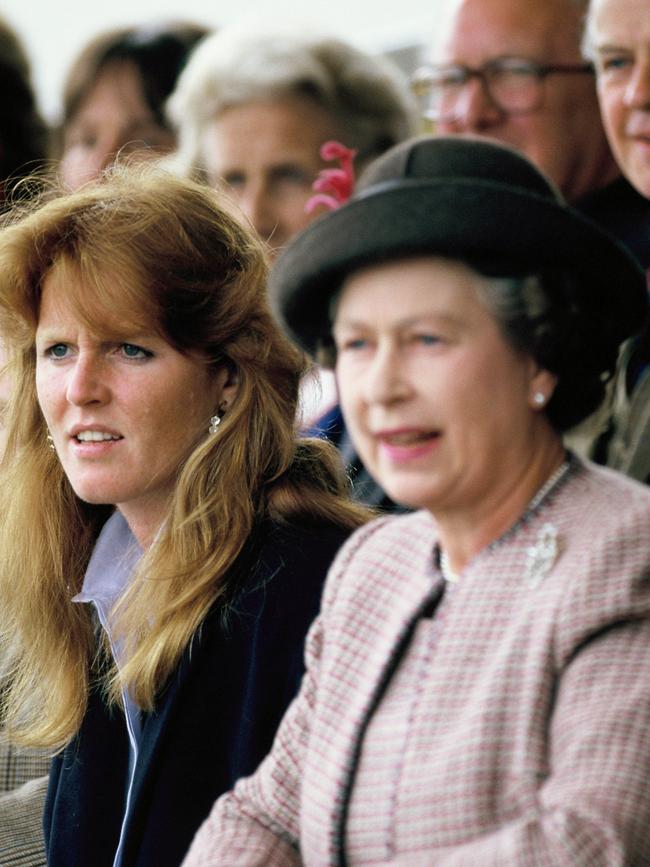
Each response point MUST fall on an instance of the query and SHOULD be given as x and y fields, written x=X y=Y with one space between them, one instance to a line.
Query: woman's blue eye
x=59 y=350
x=130 y=350
x=428 y=339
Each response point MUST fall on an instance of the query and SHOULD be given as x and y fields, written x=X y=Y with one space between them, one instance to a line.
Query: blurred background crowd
x=51 y=45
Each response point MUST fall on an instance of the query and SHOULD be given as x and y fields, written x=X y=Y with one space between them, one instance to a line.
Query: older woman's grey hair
x=367 y=95
x=535 y=315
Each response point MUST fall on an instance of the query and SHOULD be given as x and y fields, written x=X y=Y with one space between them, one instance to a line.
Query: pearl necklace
x=445 y=567
x=546 y=487
x=447 y=572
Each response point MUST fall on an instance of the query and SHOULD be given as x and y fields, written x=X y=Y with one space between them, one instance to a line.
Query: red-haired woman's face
x=124 y=407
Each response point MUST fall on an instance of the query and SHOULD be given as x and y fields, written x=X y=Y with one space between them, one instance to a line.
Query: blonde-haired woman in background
x=114 y=96
x=253 y=107
x=165 y=534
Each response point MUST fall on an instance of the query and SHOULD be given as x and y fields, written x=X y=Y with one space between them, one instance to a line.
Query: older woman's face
x=440 y=407
x=620 y=40
x=124 y=409
x=267 y=155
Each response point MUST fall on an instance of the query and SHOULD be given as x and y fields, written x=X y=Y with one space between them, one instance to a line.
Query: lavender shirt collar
x=114 y=558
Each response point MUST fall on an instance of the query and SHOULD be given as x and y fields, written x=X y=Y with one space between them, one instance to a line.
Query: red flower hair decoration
x=333 y=187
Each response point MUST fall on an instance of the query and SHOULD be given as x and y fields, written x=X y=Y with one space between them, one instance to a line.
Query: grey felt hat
x=470 y=199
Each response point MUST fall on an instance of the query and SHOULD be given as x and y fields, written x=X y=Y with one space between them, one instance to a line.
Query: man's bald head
x=563 y=133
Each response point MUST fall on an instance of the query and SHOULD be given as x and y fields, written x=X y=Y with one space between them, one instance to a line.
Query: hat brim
x=506 y=229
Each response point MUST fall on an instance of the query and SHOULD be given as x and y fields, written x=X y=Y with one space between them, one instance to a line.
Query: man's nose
x=637 y=92
x=474 y=109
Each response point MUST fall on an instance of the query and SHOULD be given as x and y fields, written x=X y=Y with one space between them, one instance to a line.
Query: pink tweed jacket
x=512 y=727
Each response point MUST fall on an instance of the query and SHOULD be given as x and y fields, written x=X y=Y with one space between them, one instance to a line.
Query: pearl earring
x=539 y=398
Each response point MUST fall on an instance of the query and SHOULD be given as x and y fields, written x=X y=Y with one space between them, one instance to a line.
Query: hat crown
x=456 y=158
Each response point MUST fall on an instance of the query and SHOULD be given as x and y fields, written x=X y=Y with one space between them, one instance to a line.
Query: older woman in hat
x=478 y=687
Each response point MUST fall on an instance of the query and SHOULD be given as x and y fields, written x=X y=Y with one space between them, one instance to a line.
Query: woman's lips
x=93 y=440
x=96 y=436
x=406 y=445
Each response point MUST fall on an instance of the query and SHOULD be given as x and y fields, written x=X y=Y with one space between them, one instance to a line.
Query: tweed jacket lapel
x=358 y=672
x=21 y=825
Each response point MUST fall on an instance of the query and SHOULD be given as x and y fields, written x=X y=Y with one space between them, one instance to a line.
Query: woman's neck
x=145 y=524
x=465 y=532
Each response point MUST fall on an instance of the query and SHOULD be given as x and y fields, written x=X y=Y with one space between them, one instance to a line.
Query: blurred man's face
x=563 y=133
x=619 y=37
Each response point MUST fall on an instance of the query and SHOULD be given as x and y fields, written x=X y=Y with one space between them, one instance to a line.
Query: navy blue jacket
x=214 y=721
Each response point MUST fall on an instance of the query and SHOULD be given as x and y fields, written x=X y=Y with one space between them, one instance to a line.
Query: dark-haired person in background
x=114 y=96
x=23 y=132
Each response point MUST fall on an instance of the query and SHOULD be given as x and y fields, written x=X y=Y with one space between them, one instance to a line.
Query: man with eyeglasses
x=513 y=70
